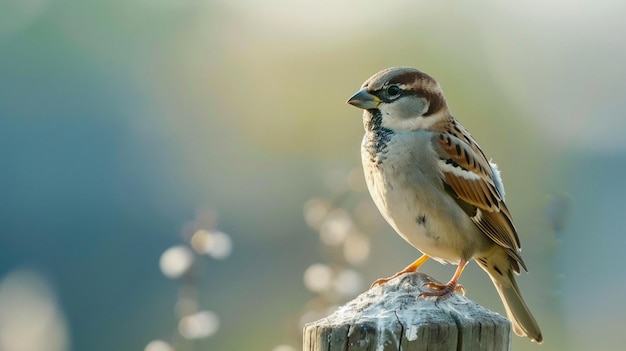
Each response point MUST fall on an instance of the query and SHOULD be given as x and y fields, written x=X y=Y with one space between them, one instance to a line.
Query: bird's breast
x=406 y=186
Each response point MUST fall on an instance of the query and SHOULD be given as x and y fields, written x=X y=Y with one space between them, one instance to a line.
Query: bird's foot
x=413 y=267
x=382 y=281
x=442 y=291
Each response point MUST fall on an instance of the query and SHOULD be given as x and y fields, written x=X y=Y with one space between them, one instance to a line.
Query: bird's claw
x=442 y=291
x=380 y=281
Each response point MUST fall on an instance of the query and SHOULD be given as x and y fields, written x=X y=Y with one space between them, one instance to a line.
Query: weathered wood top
x=391 y=317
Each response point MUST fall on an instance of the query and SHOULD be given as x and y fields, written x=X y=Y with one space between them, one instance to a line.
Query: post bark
x=392 y=317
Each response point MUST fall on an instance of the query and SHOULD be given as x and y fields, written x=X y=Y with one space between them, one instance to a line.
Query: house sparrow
x=435 y=187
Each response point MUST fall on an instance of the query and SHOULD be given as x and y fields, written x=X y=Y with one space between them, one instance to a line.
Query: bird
x=434 y=185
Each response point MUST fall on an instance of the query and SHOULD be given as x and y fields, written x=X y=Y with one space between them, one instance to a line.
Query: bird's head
x=407 y=99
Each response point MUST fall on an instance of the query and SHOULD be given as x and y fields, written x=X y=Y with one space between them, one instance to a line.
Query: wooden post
x=391 y=317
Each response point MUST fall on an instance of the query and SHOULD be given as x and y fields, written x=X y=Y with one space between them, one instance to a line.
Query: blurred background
x=185 y=174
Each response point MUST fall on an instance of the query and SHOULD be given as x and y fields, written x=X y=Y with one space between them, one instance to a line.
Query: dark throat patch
x=376 y=136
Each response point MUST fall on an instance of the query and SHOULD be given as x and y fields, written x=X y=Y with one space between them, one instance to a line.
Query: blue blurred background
x=128 y=126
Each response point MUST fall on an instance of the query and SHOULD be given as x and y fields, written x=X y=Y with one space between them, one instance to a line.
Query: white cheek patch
x=407 y=113
x=395 y=121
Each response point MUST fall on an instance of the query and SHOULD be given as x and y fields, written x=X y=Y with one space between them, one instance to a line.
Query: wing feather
x=474 y=182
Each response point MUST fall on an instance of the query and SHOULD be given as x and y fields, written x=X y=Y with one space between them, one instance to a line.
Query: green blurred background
x=123 y=121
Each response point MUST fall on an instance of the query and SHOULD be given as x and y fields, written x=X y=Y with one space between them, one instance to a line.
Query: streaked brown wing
x=469 y=179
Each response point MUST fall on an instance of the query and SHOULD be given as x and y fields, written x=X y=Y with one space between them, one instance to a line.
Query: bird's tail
x=500 y=272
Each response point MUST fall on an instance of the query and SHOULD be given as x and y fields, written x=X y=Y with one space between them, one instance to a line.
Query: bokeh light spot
x=158 y=345
x=318 y=277
x=213 y=243
x=348 y=283
x=30 y=319
x=199 y=325
x=284 y=348
x=356 y=250
x=176 y=261
x=336 y=228
x=315 y=212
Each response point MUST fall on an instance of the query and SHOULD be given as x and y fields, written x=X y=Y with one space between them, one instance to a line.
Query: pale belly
x=412 y=200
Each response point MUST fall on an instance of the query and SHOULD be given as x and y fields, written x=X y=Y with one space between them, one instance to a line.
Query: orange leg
x=441 y=291
x=409 y=269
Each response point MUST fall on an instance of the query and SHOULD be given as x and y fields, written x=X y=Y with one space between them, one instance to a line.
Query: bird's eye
x=393 y=91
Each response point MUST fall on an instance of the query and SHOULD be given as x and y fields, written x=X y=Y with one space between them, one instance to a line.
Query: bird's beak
x=363 y=99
